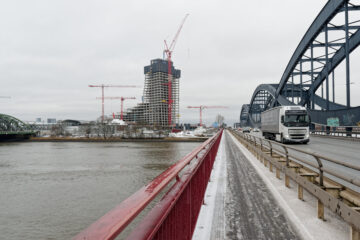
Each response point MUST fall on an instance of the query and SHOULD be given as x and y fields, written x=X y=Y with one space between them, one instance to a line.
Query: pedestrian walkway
x=243 y=201
x=249 y=210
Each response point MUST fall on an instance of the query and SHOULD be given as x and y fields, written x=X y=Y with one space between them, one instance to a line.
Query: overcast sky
x=51 y=51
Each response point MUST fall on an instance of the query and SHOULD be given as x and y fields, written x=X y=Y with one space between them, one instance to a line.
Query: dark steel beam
x=327 y=66
x=347 y=55
x=338 y=57
x=316 y=27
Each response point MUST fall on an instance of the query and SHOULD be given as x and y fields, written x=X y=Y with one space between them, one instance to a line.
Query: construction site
x=157 y=115
x=160 y=106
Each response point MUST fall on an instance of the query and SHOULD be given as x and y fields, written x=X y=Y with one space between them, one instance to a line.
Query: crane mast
x=122 y=99
x=168 y=51
x=201 y=107
x=103 y=86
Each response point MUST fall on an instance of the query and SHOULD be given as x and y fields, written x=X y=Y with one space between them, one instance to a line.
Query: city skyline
x=53 y=50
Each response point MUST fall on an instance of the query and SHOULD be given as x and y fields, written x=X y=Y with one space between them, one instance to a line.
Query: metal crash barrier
x=349 y=132
x=335 y=184
x=175 y=215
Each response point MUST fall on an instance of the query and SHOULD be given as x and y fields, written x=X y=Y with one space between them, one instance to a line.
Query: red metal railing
x=175 y=216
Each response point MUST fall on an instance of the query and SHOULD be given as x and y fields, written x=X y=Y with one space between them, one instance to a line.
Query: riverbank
x=114 y=139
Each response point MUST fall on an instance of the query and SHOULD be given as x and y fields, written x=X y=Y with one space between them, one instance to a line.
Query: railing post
x=271 y=151
x=320 y=208
x=278 y=173
x=300 y=192
x=321 y=171
x=320 y=205
x=286 y=156
x=354 y=233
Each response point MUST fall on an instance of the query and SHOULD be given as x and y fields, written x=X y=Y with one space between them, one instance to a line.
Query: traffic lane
x=340 y=149
x=251 y=210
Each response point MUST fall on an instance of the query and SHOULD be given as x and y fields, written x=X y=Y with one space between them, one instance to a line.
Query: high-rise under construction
x=154 y=109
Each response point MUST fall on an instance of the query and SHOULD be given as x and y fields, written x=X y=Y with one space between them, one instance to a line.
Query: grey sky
x=51 y=50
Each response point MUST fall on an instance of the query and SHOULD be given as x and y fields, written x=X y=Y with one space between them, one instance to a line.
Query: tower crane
x=103 y=86
x=168 y=52
x=122 y=99
x=201 y=107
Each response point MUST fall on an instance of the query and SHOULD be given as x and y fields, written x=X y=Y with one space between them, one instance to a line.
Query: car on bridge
x=246 y=130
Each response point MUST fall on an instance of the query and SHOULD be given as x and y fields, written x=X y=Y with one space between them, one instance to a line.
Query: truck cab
x=286 y=124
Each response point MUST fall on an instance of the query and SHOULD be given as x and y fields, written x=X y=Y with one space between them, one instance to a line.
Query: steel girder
x=339 y=56
x=12 y=125
x=244 y=115
x=262 y=99
x=313 y=59
x=330 y=60
x=316 y=27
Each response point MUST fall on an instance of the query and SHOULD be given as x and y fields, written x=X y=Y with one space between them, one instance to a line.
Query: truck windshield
x=295 y=120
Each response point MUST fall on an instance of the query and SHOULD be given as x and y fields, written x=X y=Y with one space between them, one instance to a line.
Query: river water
x=54 y=190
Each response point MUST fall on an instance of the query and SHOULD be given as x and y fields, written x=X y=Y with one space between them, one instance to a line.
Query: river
x=53 y=190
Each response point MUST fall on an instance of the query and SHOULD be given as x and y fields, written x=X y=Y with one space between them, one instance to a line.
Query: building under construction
x=154 y=108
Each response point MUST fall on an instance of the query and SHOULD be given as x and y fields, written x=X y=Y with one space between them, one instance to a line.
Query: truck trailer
x=286 y=124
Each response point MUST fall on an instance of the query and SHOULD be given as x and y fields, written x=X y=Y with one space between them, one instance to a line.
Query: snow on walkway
x=244 y=200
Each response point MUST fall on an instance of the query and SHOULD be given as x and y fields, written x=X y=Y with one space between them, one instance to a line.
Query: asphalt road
x=343 y=150
x=340 y=149
x=251 y=211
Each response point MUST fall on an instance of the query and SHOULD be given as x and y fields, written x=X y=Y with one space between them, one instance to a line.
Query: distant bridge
x=311 y=70
x=13 y=128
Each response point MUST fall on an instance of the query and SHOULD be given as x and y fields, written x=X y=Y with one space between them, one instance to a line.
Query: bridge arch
x=11 y=126
x=312 y=67
x=319 y=52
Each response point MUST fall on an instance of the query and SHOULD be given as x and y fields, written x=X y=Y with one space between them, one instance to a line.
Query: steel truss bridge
x=310 y=74
x=13 y=128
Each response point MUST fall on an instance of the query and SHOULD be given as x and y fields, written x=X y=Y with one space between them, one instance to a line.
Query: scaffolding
x=154 y=109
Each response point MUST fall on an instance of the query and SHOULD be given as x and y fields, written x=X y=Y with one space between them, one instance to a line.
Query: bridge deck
x=251 y=210
x=241 y=204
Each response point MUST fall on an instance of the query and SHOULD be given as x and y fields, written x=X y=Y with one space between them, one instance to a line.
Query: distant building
x=154 y=108
x=70 y=123
x=38 y=120
x=237 y=125
x=51 y=120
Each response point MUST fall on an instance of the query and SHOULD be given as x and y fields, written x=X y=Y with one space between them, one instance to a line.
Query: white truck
x=286 y=124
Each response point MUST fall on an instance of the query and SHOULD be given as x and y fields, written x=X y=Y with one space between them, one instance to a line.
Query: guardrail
x=319 y=175
x=339 y=131
x=343 y=134
x=175 y=215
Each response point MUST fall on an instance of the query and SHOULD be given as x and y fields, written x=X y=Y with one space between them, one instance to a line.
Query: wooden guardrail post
x=354 y=233
x=321 y=171
x=287 y=181
x=320 y=209
x=300 y=192
x=278 y=173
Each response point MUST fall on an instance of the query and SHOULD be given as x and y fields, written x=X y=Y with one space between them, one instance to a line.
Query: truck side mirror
x=282 y=119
